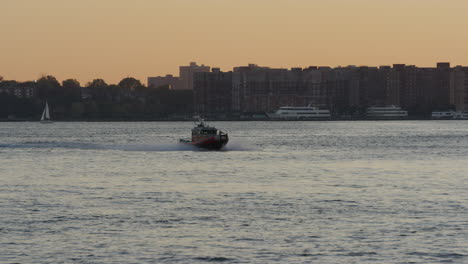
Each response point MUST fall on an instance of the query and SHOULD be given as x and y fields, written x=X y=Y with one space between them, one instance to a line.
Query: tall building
x=187 y=72
x=184 y=82
x=426 y=87
x=408 y=79
x=347 y=90
x=248 y=81
x=371 y=88
x=354 y=86
x=442 y=84
x=338 y=82
x=263 y=89
x=459 y=88
x=172 y=82
x=317 y=87
x=390 y=85
x=212 y=93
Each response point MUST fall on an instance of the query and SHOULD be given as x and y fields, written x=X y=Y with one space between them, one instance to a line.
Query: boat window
x=209 y=132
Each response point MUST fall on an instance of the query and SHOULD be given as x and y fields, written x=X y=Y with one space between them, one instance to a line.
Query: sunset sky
x=113 y=39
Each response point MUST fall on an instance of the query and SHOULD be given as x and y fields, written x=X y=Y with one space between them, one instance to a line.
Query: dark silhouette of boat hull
x=212 y=143
x=206 y=137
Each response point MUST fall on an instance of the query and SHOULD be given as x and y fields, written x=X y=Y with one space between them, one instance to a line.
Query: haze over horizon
x=113 y=39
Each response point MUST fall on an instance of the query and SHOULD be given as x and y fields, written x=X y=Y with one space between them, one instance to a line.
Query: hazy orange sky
x=113 y=39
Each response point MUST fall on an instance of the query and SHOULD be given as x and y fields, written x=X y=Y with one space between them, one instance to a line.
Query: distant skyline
x=114 y=39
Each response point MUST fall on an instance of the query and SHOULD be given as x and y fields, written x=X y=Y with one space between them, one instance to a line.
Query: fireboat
x=206 y=137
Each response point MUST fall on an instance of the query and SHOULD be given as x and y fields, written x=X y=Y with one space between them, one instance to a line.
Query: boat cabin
x=201 y=132
x=204 y=131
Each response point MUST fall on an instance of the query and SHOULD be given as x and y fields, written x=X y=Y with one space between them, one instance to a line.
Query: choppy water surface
x=281 y=192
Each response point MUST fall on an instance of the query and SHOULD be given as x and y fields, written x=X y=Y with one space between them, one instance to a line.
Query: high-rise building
x=371 y=87
x=212 y=93
x=262 y=89
x=347 y=90
x=318 y=87
x=187 y=72
x=172 y=82
x=390 y=82
x=408 y=78
x=338 y=82
x=442 y=84
x=184 y=82
x=459 y=88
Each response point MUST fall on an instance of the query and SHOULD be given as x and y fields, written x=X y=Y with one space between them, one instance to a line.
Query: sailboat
x=45 y=115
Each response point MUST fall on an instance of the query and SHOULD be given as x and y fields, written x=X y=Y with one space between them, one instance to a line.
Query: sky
x=114 y=39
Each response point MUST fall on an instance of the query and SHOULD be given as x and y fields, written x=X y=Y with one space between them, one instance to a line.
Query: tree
x=71 y=84
x=72 y=90
x=49 y=82
x=114 y=93
x=47 y=87
x=97 y=83
x=98 y=89
x=130 y=83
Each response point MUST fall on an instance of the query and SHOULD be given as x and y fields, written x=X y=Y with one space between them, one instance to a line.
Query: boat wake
x=121 y=147
x=238 y=146
x=92 y=146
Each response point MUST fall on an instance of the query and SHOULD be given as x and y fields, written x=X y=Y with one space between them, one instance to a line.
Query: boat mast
x=200 y=120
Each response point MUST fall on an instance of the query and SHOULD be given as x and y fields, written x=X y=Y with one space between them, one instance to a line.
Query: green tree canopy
x=72 y=91
x=48 y=82
x=48 y=87
x=130 y=83
x=97 y=83
x=71 y=84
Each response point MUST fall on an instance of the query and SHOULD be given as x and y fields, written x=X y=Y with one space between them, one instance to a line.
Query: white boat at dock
x=390 y=112
x=300 y=113
x=449 y=114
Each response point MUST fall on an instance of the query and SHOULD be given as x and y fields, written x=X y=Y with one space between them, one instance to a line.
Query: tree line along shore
x=129 y=100
x=97 y=100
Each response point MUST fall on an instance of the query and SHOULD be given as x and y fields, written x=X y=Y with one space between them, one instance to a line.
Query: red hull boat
x=206 y=137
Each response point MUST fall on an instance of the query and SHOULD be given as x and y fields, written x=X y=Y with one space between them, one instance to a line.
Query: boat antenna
x=198 y=119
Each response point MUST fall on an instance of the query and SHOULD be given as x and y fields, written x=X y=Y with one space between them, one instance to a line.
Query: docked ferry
x=206 y=137
x=450 y=114
x=461 y=115
x=300 y=113
x=386 y=112
x=443 y=114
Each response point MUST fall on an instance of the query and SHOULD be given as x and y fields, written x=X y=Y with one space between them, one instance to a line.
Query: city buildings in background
x=253 y=91
x=345 y=91
x=169 y=81
x=183 y=82
x=19 y=90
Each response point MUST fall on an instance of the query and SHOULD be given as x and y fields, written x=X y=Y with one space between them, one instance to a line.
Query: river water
x=281 y=192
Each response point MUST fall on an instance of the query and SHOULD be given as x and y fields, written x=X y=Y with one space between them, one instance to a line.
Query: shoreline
x=225 y=120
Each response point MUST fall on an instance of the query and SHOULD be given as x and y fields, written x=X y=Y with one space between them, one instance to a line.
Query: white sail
x=43 y=115
x=45 y=118
x=46 y=111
